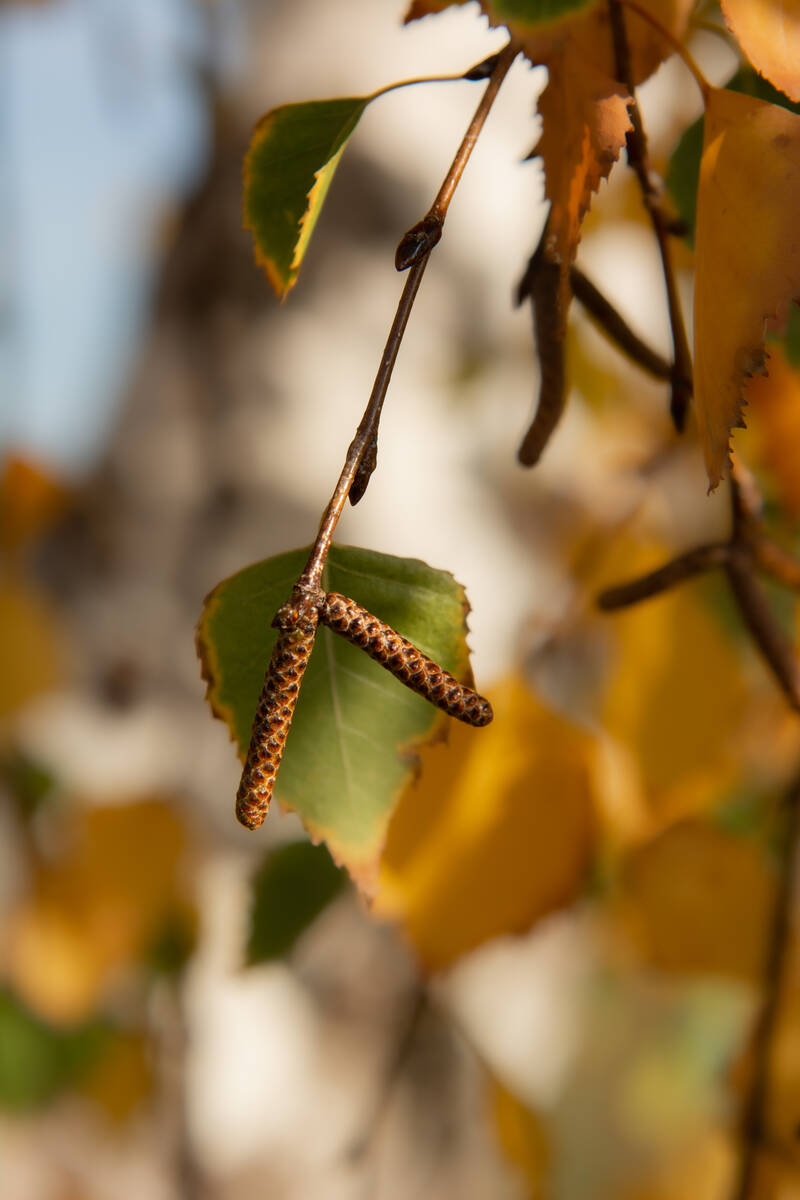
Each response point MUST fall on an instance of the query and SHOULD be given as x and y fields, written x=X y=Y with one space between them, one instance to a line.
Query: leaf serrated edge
x=209 y=664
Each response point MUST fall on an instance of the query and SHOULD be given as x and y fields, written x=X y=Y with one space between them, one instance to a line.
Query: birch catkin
x=297 y=622
x=405 y=661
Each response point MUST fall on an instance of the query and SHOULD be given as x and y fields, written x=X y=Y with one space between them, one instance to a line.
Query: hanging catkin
x=297 y=622
x=406 y=662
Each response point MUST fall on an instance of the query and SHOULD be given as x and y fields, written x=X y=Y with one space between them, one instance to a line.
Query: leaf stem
x=638 y=160
x=677 y=45
x=366 y=434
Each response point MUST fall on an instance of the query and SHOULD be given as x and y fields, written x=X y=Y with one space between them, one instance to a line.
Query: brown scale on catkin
x=297 y=622
x=406 y=662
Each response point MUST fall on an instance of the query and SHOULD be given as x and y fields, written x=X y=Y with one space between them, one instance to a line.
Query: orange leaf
x=748 y=254
x=769 y=33
x=584 y=122
x=30 y=500
x=498 y=832
x=775 y=403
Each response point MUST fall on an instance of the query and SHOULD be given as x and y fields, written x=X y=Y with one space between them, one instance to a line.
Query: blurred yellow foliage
x=30 y=644
x=698 y=900
x=523 y=1138
x=773 y=419
x=497 y=832
x=122 y=1077
x=675 y=702
x=95 y=906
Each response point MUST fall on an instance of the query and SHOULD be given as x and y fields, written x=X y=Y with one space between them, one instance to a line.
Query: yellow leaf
x=698 y=900
x=95 y=906
x=522 y=1137
x=774 y=404
x=30 y=645
x=497 y=833
x=748 y=253
x=769 y=33
x=676 y=701
x=30 y=500
x=122 y=1078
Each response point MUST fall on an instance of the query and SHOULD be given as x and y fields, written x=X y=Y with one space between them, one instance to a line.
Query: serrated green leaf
x=290 y=163
x=683 y=174
x=350 y=750
x=292 y=887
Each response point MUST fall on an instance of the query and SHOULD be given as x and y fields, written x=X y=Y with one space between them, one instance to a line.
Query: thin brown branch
x=366 y=432
x=678 y=570
x=776 y=562
x=639 y=161
x=365 y=441
x=753 y=1116
x=423 y=236
x=616 y=327
x=776 y=650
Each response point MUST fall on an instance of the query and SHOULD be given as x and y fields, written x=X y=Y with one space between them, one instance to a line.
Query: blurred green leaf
x=37 y=1060
x=350 y=750
x=294 y=884
x=29 y=783
x=290 y=163
x=173 y=943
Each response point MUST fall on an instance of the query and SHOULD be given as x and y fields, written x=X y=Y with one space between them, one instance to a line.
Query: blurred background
x=163 y=423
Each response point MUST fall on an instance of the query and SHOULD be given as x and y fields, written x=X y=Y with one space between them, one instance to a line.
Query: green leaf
x=683 y=174
x=294 y=884
x=36 y=1060
x=290 y=163
x=350 y=751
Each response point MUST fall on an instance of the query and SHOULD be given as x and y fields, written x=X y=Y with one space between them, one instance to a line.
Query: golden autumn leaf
x=748 y=254
x=774 y=426
x=31 y=645
x=675 y=703
x=523 y=1138
x=497 y=833
x=121 y=1079
x=95 y=906
x=769 y=33
x=697 y=901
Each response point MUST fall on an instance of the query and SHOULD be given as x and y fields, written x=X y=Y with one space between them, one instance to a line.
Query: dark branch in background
x=408 y=1027
x=638 y=160
x=752 y=1124
x=678 y=570
x=751 y=601
x=541 y=284
x=616 y=327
